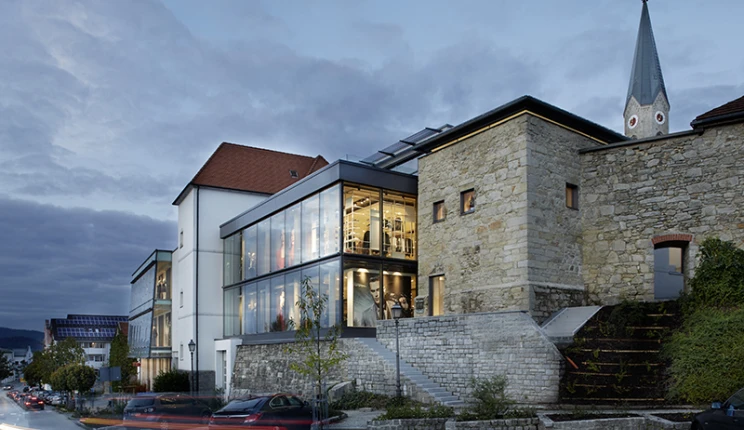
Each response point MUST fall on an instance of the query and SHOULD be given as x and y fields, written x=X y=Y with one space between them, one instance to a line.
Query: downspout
x=196 y=292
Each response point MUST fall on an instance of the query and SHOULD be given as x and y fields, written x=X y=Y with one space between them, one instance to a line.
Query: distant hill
x=14 y=338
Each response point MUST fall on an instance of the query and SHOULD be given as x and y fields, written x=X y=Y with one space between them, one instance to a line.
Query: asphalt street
x=12 y=413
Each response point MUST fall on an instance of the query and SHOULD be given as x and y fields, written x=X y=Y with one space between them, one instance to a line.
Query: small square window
x=572 y=196
x=293 y=174
x=439 y=212
x=467 y=201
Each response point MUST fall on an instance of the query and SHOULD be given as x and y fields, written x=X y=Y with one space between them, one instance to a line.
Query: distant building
x=93 y=333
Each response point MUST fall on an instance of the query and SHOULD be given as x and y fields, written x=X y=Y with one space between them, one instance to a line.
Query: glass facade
x=232 y=256
x=150 y=310
x=379 y=223
x=358 y=225
x=373 y=288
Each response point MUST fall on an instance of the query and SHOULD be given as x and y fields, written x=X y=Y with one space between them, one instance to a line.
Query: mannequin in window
x=366 y=244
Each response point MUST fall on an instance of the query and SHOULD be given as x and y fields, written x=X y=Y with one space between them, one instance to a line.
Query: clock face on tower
x=633 y=121
x=659 y=117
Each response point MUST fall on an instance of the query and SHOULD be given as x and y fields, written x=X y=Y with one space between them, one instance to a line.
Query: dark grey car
x=727 y=416
x=163 y=409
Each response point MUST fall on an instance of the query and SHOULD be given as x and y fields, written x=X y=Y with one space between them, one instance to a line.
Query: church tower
x=647 y=106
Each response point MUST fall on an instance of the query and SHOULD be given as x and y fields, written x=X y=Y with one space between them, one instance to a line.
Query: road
x=11 y=413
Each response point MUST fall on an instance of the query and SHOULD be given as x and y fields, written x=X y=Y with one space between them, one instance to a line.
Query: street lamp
x=192 y=348
x=397 y=313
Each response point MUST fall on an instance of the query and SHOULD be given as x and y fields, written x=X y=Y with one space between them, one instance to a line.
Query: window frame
x=463 y=195
x=572 y=190
x=432 y=280
x=435 y=206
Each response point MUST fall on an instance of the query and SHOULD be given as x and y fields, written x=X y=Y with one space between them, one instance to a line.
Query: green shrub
x=416 y=412
x=706 y=356
x=719 y=278
x=489 y=400
x=365 y=399
x=172 y=380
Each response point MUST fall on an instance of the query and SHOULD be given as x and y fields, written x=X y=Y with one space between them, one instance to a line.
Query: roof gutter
x=728 y=118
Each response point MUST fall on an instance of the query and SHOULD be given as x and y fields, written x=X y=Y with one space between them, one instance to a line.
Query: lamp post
x=192 y=348
x=397 y=313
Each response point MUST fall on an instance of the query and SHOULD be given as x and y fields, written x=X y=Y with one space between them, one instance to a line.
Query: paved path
x=11 y=413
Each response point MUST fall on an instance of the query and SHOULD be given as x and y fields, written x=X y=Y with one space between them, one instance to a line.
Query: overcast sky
x=108 y=108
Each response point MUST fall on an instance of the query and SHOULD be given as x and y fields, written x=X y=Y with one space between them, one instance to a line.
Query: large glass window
x=399 y=225
x=330 y=222
x=232 y=266
x=330 y=289
x=292 y=296
x=232 y=311
x=310 y=228
x=277 y=242
x=251 y=305
x=363 y=289
x=399 y=286
x=249 y=254
x=263 y=257
x=263 y=317
x=362 y=221
x=163 y=281
x=278 y=322
x=293 y=235
x=161 y=326
x=669 y=279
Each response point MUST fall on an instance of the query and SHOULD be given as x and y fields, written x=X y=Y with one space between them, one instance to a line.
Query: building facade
x=234 y=179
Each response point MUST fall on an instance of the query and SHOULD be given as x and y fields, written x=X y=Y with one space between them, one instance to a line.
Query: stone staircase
x=414 y=376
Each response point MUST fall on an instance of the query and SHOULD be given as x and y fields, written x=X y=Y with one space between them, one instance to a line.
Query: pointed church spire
x=647 y=104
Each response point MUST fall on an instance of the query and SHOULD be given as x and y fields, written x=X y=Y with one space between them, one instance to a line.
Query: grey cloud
x=56 y=261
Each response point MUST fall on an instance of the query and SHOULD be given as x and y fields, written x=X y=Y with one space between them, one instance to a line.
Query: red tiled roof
x=257 y=170
x=732 y=107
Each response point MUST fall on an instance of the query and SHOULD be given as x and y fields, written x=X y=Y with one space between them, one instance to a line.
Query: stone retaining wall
x=541 y=423
x=453 y=349
x=265 y=368
x=409 y=424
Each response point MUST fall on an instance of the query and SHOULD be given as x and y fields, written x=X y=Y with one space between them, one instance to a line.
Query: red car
x=33 y=402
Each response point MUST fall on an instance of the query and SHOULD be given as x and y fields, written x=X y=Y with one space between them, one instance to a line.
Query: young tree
x=67 y=352
x=119 y=356
x=58 y=379
x=80 y=377
x=5 y=367
x=314 y=364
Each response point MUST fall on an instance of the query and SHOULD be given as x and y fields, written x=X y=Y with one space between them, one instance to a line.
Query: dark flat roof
x=523 y=103
x=340 y=170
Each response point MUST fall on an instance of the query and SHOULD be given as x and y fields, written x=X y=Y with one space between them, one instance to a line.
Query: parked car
x=277 y=410
x=166 y=408
x=8 y=387
x=729 y=415
x=33 y=402
x=57 y=399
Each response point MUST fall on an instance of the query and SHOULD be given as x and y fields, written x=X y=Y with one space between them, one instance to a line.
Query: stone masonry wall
x=554 y=232
x=689 y=184
x=483 y=254
x=452 y=349
x=265 y=368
